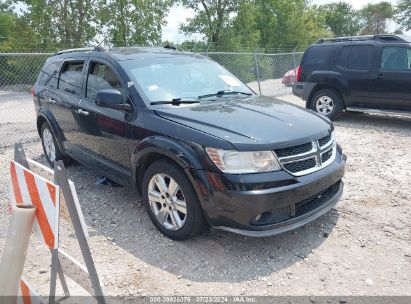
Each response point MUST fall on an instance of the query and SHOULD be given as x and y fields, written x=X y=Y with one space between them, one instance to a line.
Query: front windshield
x=181 y=77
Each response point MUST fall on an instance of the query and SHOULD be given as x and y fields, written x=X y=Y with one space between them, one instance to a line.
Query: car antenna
x=98 y=46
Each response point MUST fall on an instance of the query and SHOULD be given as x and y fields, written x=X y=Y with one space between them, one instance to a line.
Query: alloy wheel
x=167 y=201
x=324 y=105
x=49 y=146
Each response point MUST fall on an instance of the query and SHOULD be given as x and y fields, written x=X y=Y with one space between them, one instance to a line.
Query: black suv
x=362 y=74
x=200 y=147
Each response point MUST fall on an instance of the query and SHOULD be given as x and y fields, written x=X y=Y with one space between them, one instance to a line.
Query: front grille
x=327 y=155
x=300 y=149
x=325 y=140
x=299 y=166
x=308 y=157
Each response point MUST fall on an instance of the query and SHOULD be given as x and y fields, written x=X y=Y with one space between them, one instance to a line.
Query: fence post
x=295 y=64
x=257 y=71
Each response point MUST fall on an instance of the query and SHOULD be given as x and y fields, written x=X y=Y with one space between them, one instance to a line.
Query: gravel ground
x=360 y=248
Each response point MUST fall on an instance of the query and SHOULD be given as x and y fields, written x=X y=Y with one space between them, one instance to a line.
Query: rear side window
x=360 y=57
x=319 y=55
x=71 y=77
x=396 y=59
x=50 y=74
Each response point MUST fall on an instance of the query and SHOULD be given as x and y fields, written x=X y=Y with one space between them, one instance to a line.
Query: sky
x=178 y=15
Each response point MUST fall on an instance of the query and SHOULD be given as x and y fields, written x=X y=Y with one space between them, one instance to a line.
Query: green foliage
x=289 y=23
x=403 y=14
x=134 y=22
x=341 y=18
x=211 y=17
x=61 y=23
x=375 y=17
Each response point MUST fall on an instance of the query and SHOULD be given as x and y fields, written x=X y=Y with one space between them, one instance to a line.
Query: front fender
x=189 y=156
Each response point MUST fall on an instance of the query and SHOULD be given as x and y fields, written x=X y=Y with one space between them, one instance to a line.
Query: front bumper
x=232 y=202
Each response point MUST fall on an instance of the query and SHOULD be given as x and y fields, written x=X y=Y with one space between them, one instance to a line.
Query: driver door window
x=101 y=77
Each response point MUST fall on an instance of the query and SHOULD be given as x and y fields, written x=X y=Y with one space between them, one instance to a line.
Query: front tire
x=328 y=103
x=171 y=201
x=51 y=149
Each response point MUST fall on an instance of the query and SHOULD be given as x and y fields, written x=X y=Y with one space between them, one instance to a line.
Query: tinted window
x=71 y=77
x=360 y=57
x=396 y=59
x=101 y=77
x=344 y=56
x=319 y=55
x=50 y=74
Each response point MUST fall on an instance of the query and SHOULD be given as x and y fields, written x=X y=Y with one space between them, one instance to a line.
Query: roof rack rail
x=380 y=37
x=87 y=49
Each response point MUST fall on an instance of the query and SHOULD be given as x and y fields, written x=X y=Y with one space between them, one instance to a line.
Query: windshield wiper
x=224 y=92
x=175 y=101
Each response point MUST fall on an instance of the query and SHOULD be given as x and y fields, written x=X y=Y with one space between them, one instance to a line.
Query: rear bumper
x=303 y=89
x=232 y=202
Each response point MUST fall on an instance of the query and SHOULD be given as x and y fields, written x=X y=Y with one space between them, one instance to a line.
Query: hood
x=251 y=123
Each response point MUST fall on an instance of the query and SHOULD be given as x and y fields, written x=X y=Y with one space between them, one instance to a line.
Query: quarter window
x=101 y=77
x=396 y=59
x=71 y=77
x=360 y=57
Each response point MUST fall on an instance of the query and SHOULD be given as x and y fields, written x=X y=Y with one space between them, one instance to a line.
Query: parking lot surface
x=362 y=247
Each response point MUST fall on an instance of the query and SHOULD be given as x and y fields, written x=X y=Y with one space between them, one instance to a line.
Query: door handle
x=51 y=100
x=82 y=112
x=379 y=76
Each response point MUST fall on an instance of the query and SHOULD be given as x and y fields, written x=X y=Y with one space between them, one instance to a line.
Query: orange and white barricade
x=33 y=185
x=28 y=188
x=27 y=295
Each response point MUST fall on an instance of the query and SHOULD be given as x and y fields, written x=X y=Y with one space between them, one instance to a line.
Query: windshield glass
x=181 y=77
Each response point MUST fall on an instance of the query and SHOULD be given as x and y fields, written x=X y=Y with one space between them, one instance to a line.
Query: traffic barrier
x=30 y=189
x=34 y=186
x=27 y=295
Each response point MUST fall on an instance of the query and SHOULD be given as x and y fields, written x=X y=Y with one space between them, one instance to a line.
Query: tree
x=341 y=19
x=403 y=14
x=211 y=17
x=288 y=23
x=375 y=16
x=131 y=22
x=63 y=23
x=7 y=20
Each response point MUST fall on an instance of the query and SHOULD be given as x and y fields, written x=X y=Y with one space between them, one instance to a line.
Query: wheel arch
x=155 y=148
x=322 y=86
x=45 y=116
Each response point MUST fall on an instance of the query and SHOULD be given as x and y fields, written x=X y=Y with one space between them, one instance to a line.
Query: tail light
x=33 y=93
x=298 y=73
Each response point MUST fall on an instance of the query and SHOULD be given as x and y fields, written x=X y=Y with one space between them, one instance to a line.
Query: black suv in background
x=197 y=144
x=361 y=73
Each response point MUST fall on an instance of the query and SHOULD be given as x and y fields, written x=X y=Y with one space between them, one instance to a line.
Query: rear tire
x=50 y=147
x=172 y=204
x=327 y=102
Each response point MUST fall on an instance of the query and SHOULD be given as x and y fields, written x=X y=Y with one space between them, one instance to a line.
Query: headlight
x=243 y=162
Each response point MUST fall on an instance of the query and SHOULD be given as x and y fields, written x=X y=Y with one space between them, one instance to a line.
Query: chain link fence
x=264 y=73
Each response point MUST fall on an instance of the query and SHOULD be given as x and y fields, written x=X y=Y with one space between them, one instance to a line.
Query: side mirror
x=112 y=99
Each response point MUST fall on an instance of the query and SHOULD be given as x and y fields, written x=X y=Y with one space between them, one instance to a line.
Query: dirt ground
x=363 y=247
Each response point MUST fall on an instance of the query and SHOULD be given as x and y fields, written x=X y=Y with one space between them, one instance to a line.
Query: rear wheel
x=328 y=103
x=50 y=147
x=171 y=201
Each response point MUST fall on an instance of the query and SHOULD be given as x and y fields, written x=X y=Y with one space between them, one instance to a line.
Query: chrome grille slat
x=321 y=154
